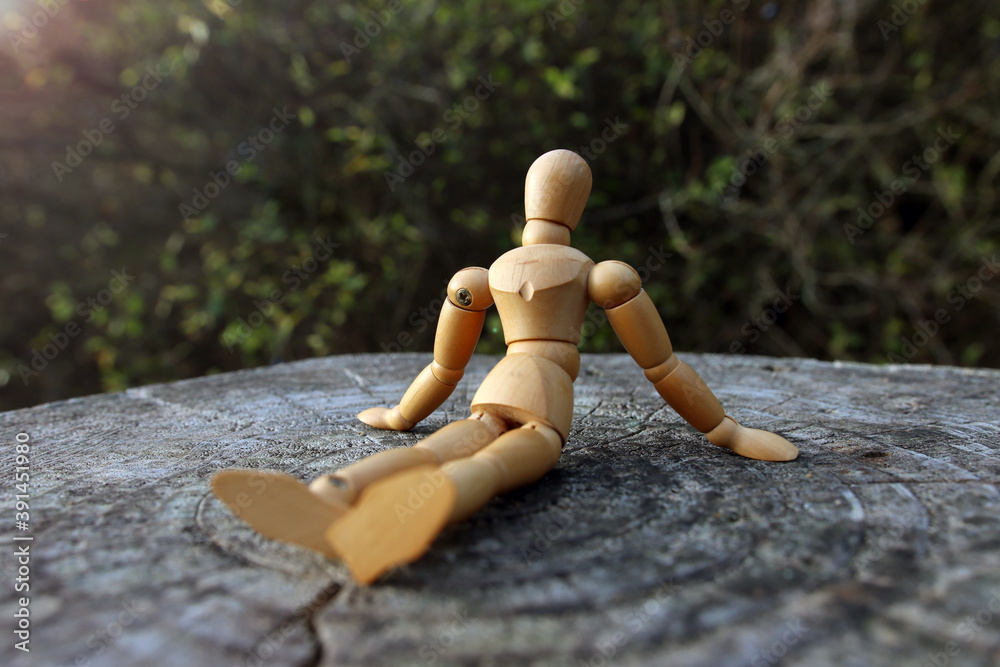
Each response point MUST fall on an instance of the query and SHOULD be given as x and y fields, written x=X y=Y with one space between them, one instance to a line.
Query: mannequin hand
x=385 y=418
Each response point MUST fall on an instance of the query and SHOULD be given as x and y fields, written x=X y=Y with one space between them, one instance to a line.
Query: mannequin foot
x=751 y=442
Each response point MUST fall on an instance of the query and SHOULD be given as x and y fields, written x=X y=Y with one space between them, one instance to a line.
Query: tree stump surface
x=646 y=545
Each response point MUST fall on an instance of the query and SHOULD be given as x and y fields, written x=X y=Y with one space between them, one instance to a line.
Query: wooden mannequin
x=386 y=509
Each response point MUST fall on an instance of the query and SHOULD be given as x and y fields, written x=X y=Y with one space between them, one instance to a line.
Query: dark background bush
x=565 y=71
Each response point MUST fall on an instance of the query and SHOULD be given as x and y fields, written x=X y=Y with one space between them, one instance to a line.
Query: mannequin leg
x=396 y=519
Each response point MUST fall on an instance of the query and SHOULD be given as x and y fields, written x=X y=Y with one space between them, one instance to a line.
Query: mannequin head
x=555 y=193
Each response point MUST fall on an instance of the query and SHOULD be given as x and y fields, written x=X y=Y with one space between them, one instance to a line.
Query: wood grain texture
x=873 y=548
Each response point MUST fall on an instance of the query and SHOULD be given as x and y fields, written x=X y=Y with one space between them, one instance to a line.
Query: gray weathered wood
x=873 y=548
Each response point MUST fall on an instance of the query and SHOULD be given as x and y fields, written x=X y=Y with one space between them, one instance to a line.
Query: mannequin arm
x=616 y=287
x=458 y=330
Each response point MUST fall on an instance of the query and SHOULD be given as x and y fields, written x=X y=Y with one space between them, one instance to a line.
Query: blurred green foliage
x=230 y=286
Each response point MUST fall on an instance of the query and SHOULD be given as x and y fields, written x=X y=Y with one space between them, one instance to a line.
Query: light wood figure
x=385 y=510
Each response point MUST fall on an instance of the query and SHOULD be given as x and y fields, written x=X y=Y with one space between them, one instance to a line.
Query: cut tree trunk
x=879 y=545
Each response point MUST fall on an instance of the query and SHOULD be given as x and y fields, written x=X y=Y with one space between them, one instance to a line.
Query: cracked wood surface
x=880 y=545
